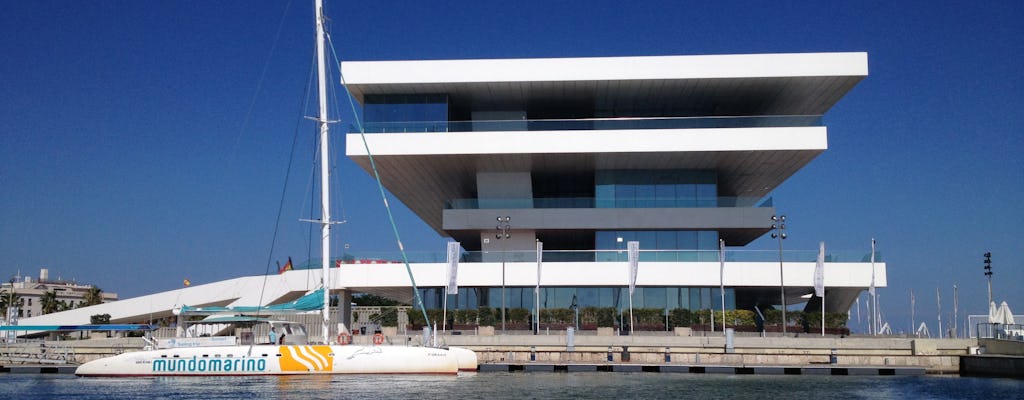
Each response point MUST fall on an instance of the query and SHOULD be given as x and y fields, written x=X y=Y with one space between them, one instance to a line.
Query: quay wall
x=938 y=356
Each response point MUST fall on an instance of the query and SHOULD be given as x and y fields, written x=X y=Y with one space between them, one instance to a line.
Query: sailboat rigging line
x=312 y=175
x=334 y=167
x=380 y=186
x=284 y=190
x=262 y=78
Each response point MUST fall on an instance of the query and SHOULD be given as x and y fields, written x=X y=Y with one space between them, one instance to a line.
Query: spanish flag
x=287 y=266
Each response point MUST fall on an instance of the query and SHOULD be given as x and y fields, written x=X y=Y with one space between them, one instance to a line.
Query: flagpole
x=874 y=297
x=913 y=323
x=536 y=290
x=444 y=307
x=721 y=277
x=634 y=262
x=819 y=282
x=451 y=280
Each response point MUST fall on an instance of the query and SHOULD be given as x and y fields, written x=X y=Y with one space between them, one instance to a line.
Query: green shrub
x=649 y=316
x=605 y=316
x=681 y=317
x=517 y=315
x=485 y=316
x=557 y=315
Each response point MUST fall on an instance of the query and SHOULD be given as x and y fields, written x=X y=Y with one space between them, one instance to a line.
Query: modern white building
x=587 y=154
x=583 y=155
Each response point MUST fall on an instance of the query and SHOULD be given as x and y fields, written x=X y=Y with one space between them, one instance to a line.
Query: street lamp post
x=779 y=232
x=988 y=273
x=503 y=228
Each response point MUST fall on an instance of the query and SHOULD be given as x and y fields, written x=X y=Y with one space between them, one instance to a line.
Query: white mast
x=325 y=191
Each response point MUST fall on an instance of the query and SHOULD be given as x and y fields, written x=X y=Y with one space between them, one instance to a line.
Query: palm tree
x=8 y=297
x=48 y=302
x=93 y=297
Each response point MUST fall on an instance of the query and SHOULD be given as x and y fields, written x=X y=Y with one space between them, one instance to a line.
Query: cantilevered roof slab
x=705 y=85
x=424 y=170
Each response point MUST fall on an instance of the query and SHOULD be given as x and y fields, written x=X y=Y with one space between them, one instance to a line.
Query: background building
x=35 y=297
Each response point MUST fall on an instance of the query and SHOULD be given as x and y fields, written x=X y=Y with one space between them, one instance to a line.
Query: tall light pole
x=503 y=228
x=988 y=273
x=779 y=231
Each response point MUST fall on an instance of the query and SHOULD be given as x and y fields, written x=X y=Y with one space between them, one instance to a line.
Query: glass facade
x=693 y=298
x=655 y=188
x=406 y=113
x=469 y=123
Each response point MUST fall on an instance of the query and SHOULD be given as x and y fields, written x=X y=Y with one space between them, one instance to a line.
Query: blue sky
x=146 y=142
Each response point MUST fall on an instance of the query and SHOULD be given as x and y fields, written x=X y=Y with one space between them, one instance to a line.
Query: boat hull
x=279 y=360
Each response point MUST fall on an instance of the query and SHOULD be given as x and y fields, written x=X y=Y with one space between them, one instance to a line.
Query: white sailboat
x=290 y=358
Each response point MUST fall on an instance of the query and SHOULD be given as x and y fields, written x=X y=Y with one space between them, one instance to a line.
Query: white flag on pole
x=453 y=267
x=633 y=249
x=819 y=272
x=721 y=263
x=540 y=261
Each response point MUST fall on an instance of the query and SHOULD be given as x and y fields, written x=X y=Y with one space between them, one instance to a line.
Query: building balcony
x=592 y=124
x=592 y=202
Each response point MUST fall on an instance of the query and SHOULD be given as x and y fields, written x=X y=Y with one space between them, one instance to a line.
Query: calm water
x=594 y=385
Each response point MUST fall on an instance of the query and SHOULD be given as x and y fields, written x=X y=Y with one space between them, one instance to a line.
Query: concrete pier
x=646 y=352
x=935 y=356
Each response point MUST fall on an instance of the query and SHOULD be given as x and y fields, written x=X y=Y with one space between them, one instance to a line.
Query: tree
x=7 y=298
x=49 y=303
x=99 y=319
x=93 y=297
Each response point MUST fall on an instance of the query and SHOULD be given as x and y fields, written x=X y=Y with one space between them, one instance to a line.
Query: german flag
x=287 y=266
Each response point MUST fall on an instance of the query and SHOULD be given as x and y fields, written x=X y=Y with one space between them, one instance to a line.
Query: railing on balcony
x=593 y=124
x=593 y=202
x=1013 y=332
x=614 y=255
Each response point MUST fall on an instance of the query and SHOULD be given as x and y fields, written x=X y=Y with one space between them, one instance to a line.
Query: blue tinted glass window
x=654 y=297
x=645 y=196
x=406 y=113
